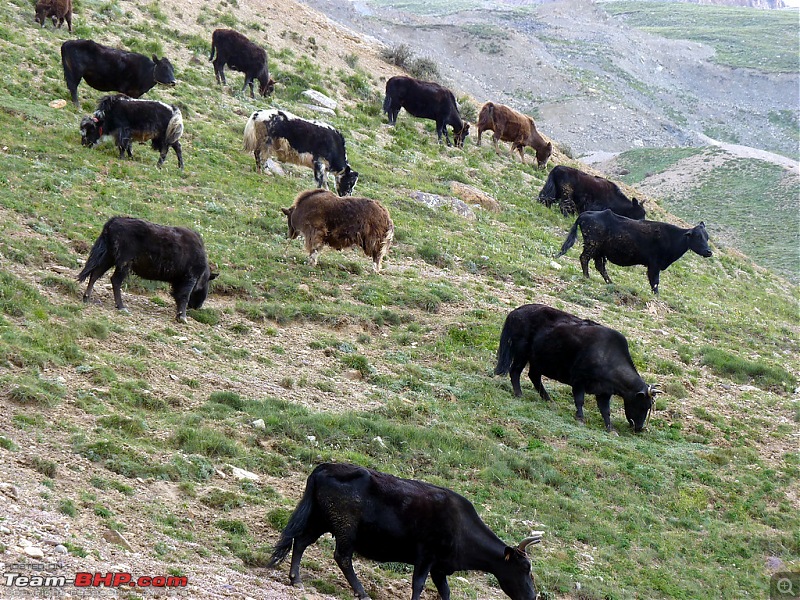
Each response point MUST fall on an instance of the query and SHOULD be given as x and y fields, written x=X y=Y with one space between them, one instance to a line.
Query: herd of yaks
x=375 y=514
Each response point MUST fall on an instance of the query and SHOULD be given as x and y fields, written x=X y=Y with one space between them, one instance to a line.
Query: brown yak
x=323 y=218
x=510 y=126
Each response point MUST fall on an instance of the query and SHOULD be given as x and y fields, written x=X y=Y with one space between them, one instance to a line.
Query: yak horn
x=653 y=390
x=528 y=541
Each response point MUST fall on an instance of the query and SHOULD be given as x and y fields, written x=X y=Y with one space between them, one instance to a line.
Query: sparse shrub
x=231 y=399
x=359 y=363
x=398 y=55
x=127 y=425
x=233 y=526
x=67 y=507
x=278 y=518
x=351 y=60
x=46 y=467
x=222 y=499
x=205 y=441
x=424 y=68
x=468 y=109
x=7 y=443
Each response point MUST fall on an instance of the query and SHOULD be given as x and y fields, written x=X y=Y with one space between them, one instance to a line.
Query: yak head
x=91 y=129
x=41 y=9
x=346 y=181
x=292 y=231
x=200 y=291
x=460 y=136
x=543 y=154
x=163 y=72
x=266 y=84
x=698 y=240
x=639 y=407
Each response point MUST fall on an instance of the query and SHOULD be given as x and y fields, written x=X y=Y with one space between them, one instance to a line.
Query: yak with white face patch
x=300 y=141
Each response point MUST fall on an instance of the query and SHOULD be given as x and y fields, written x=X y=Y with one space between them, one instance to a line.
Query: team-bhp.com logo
x=93 y=580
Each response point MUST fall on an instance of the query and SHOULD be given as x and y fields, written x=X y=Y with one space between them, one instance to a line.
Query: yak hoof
x=124 y=310
x=581 y=420
x=182 y=319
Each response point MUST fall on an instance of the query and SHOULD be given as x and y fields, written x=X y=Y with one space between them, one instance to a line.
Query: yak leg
x=178 y=152
x=578 y=395
x=257 y=156
x=248 y=80
x=96 y=274
x=586 y=256
x=440 y=581
x=653 y=275
x=480 y=132
x=181 y=293
x=536 y=380
x=496 y=139
x=314 y=242
x=600 y=265
x=162 y=156
x=517 y=365
x=604 y=404
x=120 y=273
x=343 y=555
x=301 y=542
x=441 y=128
x=319 y=174
x=418 y=580
x=521 y=150
x=219 y=71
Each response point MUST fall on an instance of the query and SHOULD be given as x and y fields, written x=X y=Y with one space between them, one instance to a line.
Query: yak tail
x=213 y=47
x=490 y=111
x=387 y=103
x=96 y=258
x=250 y=134
x=571 y=237
x=504 y=356
x=174 y=127
x=297 y=523
x=548 y=194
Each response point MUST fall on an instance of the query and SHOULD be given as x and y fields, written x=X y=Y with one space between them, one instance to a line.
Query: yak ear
x=286 y=211
x=508 y=553
x=213 y=276
x=701 y=224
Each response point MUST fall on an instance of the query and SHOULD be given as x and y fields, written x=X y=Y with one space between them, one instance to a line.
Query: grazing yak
x=426 y=100
x=590 y=357
x=302 y=142
x=510 y=126
x=625 y=242
x=130 y=120
x=389 y=519
x=57 y=10
x=577 y=192
x=157 y=252
x=112 y=70
x=240 y=54
x=325 y=220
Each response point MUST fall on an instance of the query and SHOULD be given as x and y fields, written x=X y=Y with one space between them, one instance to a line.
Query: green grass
x=691 y=508
x=741 y=37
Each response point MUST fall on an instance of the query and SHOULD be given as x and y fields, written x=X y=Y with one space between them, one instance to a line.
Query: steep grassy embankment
x=133 y=421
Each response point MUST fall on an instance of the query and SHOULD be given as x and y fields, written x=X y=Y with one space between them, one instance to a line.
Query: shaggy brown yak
x=322 y=219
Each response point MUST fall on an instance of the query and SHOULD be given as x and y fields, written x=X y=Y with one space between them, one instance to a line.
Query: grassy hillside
x=104 y=413
x=741 y=37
